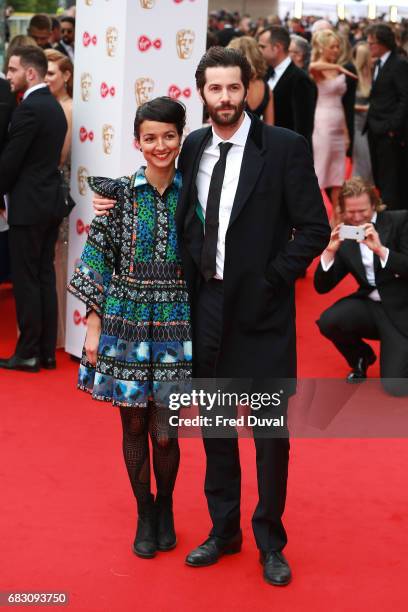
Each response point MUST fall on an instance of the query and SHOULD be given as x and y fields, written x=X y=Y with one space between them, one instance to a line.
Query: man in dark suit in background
x=387 y=119
x=29 y=174
x=294 y=93
x=378 y=310
x=7 y=104
x=246 y=188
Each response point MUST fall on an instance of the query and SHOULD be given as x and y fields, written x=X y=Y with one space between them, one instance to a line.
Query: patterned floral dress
x=130 y=274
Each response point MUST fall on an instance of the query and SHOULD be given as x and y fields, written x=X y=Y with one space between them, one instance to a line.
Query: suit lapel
x=382 y=73
x=251 y=168
x=282 y=81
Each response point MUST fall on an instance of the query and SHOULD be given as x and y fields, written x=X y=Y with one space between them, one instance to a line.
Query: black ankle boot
x=145 y=544
x=166 y=536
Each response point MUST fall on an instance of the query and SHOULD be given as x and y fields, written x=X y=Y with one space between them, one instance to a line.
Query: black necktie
x=209 y=252
x=378 y=65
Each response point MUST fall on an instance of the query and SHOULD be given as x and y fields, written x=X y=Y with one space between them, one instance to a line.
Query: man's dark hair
x=69 y=19
x=55 y=24
x=223 y=57
x=383 y=35
x=32 y=57
x=162 y=109
x=278 y=34
x=41 y=21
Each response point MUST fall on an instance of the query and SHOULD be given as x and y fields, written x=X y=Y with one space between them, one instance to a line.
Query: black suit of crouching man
x=378 y=309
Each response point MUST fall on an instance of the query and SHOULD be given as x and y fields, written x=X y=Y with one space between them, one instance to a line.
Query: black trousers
x=350 y=320
x=223 y=470
x=32 y=249
x=388 y=160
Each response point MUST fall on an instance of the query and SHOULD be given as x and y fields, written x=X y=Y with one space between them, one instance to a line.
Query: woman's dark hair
x=224 y=57
x=162 y=109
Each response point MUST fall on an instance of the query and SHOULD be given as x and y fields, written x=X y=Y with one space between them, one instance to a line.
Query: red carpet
x=68 y=517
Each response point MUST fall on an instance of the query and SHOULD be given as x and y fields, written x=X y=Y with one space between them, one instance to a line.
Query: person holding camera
x=372 y=245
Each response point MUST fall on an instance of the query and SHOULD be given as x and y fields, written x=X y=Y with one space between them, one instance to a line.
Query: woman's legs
x=137 y=460
x=166 y=459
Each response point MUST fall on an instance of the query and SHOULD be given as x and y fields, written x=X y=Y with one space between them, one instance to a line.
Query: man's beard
x=216 y=116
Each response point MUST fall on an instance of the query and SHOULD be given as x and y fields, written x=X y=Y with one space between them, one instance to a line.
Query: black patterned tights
x=137 y=424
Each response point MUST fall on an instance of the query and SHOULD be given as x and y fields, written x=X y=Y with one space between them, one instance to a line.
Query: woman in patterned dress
x=138 y=344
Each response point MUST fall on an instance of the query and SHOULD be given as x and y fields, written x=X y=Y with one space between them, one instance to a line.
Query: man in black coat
x=29 y=174
x=245 y=238
x=378 y=309
x=7 y=104
x=387 y=119
x=294 y=93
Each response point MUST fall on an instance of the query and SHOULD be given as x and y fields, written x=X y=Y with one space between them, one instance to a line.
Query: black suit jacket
x=388 y=111
x=391 y=281
x=29 y=161
x=294 y=100
x=7 y=104
x=277 y=193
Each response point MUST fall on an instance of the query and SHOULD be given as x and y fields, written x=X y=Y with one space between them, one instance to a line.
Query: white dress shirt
x=383 y=59
x=33 y=88
x=279 y=70
x=209 y=158
x=367 y=257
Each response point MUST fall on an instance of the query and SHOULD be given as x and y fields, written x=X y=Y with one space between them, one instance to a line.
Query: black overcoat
x=277 y=226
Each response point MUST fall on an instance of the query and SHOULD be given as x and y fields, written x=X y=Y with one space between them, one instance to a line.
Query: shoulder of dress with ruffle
x=108 y=187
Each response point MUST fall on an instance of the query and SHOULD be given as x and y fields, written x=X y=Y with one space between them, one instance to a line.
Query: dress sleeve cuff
x=326 y=265
x=385 y=259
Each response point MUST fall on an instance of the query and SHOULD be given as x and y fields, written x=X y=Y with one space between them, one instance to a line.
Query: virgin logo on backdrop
x=81 y=227
x=175 y=92
x=89 y=39
x=78 y=318
x=85 y=135
x=144 y=43
x=180 y=1
x=106 y=90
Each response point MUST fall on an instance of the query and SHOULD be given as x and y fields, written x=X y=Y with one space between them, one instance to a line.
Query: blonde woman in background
x=260 y=97
x=361 y=153
x=330 y=135
x=59 y=79
x=21 y=40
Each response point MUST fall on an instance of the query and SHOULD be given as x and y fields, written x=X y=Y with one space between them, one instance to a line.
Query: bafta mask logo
x=88 y=2
x=143 y=90
x=147 y=4
x=112 y=35
x=108 y=134
x=86 y=84
x=185 y=43
x=82 y=175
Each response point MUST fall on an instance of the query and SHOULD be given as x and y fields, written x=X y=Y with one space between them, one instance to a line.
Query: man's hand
x=333 y=246
x=93 y=334
x=101 y=205
x=372 y=240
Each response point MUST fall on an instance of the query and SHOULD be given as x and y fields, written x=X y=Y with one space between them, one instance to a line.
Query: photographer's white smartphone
x=351 y=232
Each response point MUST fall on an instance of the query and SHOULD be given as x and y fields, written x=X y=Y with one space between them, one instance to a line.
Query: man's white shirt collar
x=280 y=68
x=384 y=58
x=33 y=88
x=239 y=138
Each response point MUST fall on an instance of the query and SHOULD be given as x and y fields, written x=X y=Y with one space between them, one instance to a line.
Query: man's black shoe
x=359 y=373
x=276 y=569
x=212 y=549
x=48 y=363
x=17 y=363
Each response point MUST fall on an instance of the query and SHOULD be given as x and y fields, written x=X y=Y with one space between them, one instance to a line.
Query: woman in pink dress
x=330 y=135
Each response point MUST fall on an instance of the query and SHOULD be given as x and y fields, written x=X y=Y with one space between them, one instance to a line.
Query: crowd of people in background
x=343 y=86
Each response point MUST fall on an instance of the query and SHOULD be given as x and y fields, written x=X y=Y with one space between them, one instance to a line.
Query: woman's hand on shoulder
x=102 y=205
x=346 y=72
